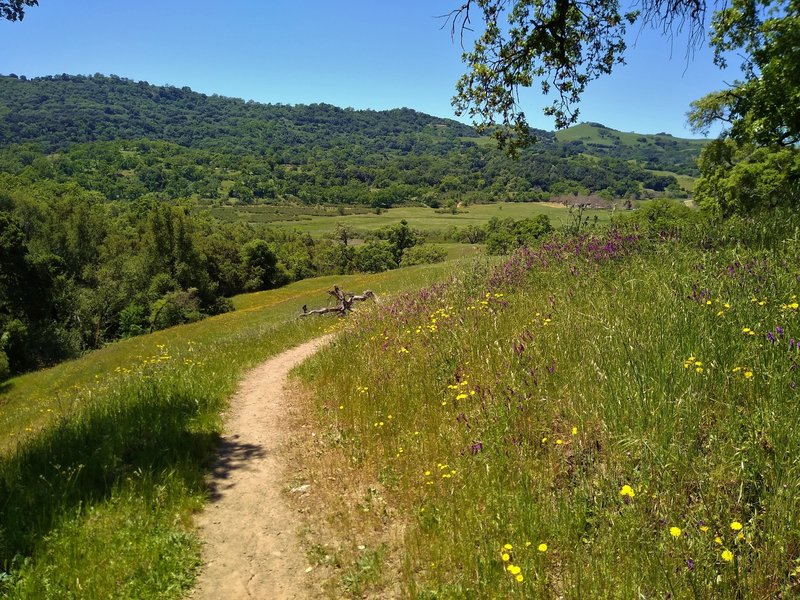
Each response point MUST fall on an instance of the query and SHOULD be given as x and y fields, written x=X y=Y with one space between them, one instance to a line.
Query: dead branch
x=344 y=303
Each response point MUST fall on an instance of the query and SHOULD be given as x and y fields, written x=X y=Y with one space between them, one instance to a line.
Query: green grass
x=512 y=406
x=428 y=220
x=103 y=457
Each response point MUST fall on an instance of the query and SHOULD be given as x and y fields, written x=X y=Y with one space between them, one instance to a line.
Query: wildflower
x=513 y=569
x=748 y=374
x=690 y=564
x=508 y=547
x=461 y=397
x=675 y=531
x=505 y=556
x=717 y=540
x=727 y=555
x=736 y=526
x=542 y=547
x=703 y=528
x=627 y=491
x=574 y=431
x=559 y=442
x=519 y=578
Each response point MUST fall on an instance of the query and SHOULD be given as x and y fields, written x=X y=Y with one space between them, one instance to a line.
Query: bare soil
x=249 y=529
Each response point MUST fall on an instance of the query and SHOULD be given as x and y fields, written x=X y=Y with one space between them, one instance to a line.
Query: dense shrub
x=423 y=254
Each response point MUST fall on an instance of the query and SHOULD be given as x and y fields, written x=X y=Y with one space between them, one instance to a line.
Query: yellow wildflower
x=627 y=491
x=727 y=555
x=736 y=526
x=542 y=547
x=519 y=577
x=675 y=531
x=505 y=556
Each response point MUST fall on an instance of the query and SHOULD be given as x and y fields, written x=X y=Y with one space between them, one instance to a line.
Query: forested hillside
x=226 y=148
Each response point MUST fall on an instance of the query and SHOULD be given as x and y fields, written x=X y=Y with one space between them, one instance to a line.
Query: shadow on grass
x=148 y=431
x=6 y=387
x=232 y=455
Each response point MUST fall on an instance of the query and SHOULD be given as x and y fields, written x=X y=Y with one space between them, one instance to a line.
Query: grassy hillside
x=102 y=458
x=609 y=416
x=649 y=149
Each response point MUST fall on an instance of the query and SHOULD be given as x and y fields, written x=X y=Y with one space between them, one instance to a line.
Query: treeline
x=78 y=271
x=129 y=170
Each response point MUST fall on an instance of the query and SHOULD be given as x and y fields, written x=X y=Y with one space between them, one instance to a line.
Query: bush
x=422 y=255
x=5 y=371
x=175 y=308
x=374 y=257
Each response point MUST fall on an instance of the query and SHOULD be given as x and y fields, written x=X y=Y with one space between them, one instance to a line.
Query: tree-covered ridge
x=65 y=109
x=58 y=112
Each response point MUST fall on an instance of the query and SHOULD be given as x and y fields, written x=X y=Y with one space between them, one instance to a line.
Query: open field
x=424 y=219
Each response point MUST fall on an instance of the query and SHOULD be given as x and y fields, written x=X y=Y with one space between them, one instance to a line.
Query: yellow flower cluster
x=692 y=362
x=746 y=373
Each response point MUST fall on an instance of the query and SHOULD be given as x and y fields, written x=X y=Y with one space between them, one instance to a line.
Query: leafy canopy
x=764 y=107
x=14 y=10
x=562 y=45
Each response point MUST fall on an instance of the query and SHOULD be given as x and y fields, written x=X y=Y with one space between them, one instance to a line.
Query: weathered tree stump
x=345 y=303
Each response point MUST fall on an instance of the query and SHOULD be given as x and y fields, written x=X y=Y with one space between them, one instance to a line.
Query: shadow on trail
x=232 y=456
x=140 y=436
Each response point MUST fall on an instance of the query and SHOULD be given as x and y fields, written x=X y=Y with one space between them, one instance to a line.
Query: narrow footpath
x=250 y=545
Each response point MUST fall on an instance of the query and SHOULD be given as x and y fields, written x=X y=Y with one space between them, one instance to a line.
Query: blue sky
x=356 y=53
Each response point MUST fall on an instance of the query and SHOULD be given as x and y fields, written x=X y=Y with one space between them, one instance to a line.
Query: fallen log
x=344 y=304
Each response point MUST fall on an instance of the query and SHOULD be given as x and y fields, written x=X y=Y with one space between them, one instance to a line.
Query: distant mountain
x=125 y=139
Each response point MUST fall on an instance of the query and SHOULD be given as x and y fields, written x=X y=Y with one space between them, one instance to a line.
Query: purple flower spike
x=476 y=448
x=779 y=330
x=690 y=564
x=771 y=337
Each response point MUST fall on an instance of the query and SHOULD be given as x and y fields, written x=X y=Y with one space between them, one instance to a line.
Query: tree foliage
x=763 y=108
x=14 y=10
x=561 y=44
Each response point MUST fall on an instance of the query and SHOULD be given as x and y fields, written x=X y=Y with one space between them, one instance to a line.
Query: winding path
x=250 y=546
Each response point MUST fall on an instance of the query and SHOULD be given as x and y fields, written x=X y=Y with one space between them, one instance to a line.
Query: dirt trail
x=250 y=545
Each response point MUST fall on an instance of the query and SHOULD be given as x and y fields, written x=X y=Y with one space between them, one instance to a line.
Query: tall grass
x=608 y=416
x=103 y=458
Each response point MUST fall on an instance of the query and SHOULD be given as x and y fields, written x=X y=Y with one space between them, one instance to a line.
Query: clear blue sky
x=357 y=53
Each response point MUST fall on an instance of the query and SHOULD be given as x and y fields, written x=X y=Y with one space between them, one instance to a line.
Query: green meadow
x=103 y=457
x=424 y=219
x=611 y=415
